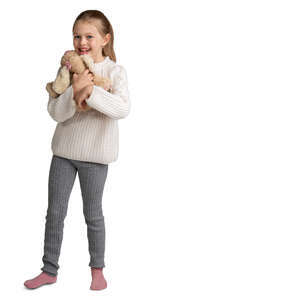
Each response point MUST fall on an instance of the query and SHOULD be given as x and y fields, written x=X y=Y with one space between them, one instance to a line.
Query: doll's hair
x=100 y=21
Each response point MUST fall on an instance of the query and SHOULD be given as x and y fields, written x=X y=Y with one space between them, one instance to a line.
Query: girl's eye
x=77 y=36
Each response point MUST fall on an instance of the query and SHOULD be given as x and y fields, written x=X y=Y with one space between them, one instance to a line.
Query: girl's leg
x=92 y=177
x=62 y=175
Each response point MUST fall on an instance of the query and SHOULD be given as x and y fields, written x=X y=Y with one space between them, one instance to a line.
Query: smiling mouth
x=84 y=51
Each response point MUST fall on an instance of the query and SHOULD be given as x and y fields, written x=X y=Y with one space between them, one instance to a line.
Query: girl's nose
x=83 y=41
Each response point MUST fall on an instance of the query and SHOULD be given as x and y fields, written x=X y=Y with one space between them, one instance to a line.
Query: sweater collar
x=106 y=60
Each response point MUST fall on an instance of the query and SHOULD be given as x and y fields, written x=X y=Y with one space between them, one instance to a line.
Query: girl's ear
x=107 y=38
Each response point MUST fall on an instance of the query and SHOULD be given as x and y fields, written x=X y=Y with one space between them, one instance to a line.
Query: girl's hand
x=82 y=95
x=82 y=80
x=108 y=87
x=68 y=65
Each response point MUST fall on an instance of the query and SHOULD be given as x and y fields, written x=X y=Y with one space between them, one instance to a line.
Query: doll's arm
x=116 y=104
x=63 y=107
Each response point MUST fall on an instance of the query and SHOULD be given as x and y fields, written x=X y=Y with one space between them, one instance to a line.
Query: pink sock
x=98 y=280
x=40 y=280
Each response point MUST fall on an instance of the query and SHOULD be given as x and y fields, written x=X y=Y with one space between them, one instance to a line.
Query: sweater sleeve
x=116 y=104
x=63 y=107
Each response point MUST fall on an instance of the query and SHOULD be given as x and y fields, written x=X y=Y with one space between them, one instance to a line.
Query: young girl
x=85 y=141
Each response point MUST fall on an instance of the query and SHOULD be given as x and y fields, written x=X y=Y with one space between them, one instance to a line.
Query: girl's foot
x=98 y=280
x=40 y=280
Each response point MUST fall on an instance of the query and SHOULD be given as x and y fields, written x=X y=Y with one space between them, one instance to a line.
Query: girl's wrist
x=89 y=89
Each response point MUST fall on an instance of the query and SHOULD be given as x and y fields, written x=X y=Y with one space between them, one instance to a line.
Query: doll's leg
x=92 y=177
x=62 y=175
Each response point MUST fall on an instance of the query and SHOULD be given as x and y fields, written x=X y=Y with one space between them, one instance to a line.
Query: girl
x=84 y=141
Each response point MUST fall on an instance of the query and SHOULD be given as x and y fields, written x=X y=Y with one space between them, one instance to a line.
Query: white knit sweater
x=93 y=135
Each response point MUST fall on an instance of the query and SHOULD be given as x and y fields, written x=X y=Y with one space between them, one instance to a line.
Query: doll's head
x=93 y=35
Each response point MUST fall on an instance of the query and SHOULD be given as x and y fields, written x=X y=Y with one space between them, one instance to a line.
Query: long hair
x=103 y=26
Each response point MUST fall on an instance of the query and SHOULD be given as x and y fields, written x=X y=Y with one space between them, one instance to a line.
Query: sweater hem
x=83 y=159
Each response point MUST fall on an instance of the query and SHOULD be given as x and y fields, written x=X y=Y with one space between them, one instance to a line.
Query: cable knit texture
x=92 y=135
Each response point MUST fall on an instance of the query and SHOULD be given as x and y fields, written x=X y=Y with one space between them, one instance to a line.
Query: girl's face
x=87 y=40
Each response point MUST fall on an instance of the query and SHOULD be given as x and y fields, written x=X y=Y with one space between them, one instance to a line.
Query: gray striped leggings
x=92 y=178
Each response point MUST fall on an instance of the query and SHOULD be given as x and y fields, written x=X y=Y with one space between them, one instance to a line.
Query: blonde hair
x=103 y=26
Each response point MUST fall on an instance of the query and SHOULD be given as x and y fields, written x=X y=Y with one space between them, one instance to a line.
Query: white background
x=203 y=202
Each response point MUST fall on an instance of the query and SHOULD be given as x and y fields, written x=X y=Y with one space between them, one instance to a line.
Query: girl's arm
x=116 y=104
x=63 y=107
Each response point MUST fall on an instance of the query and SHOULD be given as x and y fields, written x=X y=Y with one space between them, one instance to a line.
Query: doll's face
x=88 y=40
